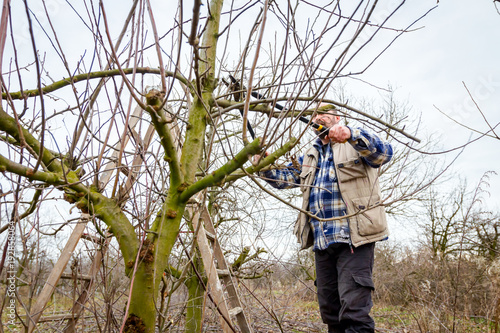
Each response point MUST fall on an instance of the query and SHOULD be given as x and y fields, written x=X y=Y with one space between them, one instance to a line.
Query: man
x=338 y=176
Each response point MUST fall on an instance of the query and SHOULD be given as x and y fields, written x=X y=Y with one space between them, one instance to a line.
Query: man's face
x=326 y=119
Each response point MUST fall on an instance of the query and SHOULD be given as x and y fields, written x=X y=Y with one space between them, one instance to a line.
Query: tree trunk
x=142 y=310
x=195 y=305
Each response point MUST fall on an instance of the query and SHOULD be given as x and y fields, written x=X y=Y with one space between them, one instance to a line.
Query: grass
x=296 y=310
x=420 y=318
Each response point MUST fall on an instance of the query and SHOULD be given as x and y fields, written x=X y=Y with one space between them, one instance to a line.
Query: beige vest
x=360 y=190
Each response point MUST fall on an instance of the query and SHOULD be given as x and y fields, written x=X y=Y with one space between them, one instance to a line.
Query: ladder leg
x=212 y=253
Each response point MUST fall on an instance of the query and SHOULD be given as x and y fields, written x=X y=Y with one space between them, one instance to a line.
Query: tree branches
x=87 y=76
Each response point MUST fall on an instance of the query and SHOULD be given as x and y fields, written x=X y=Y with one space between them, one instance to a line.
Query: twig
x=252 y=71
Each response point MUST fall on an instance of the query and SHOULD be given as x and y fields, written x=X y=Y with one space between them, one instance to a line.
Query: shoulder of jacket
x=311 y=151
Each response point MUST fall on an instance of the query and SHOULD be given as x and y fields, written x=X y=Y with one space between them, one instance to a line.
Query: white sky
x=459 y=44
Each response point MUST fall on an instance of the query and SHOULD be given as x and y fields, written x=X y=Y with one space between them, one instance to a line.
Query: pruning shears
x=323 y=131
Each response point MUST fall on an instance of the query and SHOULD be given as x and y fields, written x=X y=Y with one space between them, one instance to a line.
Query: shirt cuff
x=357 y=140
x=266 y=174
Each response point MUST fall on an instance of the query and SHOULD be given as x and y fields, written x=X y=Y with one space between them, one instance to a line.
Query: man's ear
x=337 y=119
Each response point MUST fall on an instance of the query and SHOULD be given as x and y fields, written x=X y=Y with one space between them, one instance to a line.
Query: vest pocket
x=369 y=221
x=351 y=169
x=305 y=178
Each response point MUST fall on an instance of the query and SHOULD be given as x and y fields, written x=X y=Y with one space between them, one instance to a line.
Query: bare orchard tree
x=130 y=113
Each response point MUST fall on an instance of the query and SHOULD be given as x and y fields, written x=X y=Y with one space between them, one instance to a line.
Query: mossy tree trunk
x=165 y=230
x=196 y=300
x=145 y=255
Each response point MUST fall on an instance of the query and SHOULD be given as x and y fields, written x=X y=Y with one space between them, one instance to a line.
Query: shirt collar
x=318 y=144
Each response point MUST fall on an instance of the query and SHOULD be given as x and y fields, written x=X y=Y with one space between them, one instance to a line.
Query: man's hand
x=257 y=157
x=339 y=133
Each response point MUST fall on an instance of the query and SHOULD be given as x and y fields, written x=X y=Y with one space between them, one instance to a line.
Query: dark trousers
x=344 y=281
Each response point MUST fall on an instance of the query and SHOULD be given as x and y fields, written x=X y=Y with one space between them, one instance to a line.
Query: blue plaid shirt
x=325 y=200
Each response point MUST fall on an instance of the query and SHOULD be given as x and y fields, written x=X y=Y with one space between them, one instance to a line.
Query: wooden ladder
x=78 y=232
x=218 y=273
x=220 y=281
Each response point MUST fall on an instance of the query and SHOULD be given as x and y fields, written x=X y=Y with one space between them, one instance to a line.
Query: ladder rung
x=235 y=311
x=223 y=272
x=125 y=170
x=91 y=238
x=193 y=201
x=210 y=236
x=78 y=277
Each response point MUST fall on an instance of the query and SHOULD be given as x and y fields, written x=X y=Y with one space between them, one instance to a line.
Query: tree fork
x=217 y=177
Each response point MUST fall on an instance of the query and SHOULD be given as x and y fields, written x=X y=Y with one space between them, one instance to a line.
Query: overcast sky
x=458 y=44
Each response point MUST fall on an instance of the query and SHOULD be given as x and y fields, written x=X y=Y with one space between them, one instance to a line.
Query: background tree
x=71 y=130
